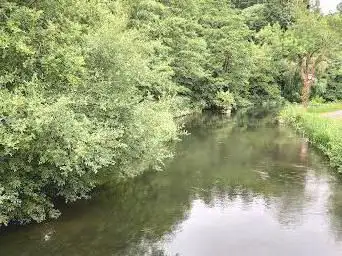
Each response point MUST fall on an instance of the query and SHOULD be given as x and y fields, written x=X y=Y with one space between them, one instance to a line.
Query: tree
x=339 y=7
x=309 y=47
x=207 y=46
x=332 y=77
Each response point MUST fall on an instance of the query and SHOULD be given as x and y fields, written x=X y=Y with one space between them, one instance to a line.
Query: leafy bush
x=76 y=91
x=225 y=100
x=317 y=100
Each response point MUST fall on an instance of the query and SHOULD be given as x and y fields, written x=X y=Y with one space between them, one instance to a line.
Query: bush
x=225 y=100
x=76 y=100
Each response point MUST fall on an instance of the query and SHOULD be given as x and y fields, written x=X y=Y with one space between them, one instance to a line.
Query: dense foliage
x=92 y=87
x=74 y=90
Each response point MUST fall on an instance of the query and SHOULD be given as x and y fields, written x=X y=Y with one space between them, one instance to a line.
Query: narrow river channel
x=236 y=187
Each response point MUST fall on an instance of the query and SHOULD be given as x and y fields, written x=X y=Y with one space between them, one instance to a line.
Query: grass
x=324 y=133
x=324 y=108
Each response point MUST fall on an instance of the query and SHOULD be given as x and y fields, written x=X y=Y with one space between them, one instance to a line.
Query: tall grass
x=324 y=133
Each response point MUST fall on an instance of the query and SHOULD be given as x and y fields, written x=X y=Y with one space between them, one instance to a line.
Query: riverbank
x=321 y=126
x=232 y=180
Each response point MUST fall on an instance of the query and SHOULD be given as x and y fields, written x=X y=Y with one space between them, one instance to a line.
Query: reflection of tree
x=304 y=146
x=118 y=219
x=289 y=208
x=250 y=119
x=335 y=208
x=221 y=161
x=246 y=161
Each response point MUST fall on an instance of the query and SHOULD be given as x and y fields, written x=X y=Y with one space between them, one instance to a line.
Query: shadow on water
x=237 y=186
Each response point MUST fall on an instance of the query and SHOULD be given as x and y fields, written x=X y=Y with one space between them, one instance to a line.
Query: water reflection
x=236 y=187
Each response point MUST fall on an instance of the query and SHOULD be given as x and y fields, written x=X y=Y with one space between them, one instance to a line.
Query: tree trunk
x=306 y=93
x=308 y=78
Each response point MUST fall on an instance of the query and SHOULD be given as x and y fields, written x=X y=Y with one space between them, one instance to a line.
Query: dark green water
x=235 y=187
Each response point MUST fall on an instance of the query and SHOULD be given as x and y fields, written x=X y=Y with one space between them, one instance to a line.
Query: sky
x=329 y=5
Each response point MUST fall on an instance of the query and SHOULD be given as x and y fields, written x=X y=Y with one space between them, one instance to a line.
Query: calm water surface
x=235 y=187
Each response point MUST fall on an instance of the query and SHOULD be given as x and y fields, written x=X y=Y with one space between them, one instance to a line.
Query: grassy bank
x=324 y=133
x=324 y=108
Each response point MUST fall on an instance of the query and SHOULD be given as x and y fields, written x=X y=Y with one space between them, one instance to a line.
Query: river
x=236 y=187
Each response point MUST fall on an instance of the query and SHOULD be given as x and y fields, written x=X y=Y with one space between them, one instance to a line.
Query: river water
x=236 y=187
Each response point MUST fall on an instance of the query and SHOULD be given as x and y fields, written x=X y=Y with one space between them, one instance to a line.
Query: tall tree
x=339 y=7
x=310 y=47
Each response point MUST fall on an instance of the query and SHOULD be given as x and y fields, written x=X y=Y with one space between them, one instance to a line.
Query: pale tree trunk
x=308 y=77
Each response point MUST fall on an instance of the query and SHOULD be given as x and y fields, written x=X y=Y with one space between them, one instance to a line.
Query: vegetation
x=323 y=132
x=77 y=96
x=152 y=206
x=92 y=87
x=325 y=108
